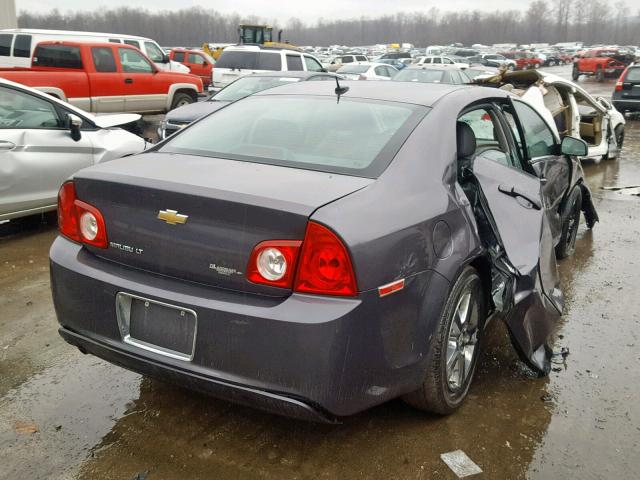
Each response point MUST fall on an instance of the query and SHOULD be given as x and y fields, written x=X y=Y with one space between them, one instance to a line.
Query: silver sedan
x=43 y=141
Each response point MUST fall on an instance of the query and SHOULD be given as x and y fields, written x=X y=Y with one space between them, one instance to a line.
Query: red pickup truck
x=601 y=63
x=198 y=62
x=105 y=77
x=524 y=60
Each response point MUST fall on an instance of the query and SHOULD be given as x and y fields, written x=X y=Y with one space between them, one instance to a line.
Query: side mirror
x=165 y=58
x=323 y=70
x=75 y=124
x=574 y=147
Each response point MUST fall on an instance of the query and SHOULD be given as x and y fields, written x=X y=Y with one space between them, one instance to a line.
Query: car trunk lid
x=198 y=219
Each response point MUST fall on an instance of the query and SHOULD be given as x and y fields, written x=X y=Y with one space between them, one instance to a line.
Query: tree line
x=549 y=21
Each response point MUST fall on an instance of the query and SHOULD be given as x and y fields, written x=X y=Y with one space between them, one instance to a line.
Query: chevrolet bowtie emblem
x=172 y=217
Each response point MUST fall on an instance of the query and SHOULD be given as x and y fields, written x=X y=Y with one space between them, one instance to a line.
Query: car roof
x=432 y=66
x=258 y=48
x=290 y=74
x=405 y=92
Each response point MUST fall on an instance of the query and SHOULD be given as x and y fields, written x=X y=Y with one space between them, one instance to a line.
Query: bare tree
x=591 y=21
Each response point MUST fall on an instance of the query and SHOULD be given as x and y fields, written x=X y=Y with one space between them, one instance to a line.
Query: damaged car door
x=514 y=226
x=564 y=194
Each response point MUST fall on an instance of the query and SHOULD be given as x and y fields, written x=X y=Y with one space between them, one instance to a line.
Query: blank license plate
x=162 y=328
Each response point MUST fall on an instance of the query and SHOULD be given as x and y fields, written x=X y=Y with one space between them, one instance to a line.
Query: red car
x=600 y=63
x=198 y=62
x=524 y=60
x=105 y=77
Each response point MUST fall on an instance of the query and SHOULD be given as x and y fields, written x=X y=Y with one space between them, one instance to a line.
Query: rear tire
x=453 y=349
x=599 y=75
x=570 y=223
x=181 y=99
x=575 y=75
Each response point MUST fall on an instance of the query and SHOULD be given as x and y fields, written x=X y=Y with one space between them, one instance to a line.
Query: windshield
x=424 y=76
x=154 y=52
x=245 y=86
x=353 y=69
x=354 y=137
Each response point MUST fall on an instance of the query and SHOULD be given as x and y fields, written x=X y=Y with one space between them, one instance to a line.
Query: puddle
x=72 y=405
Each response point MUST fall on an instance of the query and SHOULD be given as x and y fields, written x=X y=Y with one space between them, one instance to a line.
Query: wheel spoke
x=468 y=356
x=461 y=369
x=452 y=352
x=463 y=310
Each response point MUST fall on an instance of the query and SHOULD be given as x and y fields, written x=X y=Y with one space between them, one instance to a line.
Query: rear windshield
x=245 y=86
x=250 y=60
x=633 y=75
x=354 y=137
x=423 y=76
x=62 y=56
x=353 y=69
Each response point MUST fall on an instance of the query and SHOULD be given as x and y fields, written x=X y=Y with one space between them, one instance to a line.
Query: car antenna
x=340 y=90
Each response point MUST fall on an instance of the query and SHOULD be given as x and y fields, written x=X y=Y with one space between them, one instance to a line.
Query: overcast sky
x=282 y=10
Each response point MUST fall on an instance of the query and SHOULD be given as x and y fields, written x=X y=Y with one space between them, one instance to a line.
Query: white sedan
x=367 y=71
x=567 y=108
x=43 y=141
x=443 y=60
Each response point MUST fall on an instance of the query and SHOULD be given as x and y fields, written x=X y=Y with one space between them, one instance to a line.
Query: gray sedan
x=328 y=249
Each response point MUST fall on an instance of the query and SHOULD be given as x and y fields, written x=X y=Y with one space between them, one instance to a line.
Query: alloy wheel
x=462 y=340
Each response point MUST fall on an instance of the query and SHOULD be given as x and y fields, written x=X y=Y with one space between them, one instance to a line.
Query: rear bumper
x=304 y=356
x=269 y=402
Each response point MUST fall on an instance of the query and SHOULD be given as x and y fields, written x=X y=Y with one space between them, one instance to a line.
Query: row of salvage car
x=264 y=254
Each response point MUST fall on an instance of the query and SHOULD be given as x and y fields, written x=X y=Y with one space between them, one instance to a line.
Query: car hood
x=194 y=111
x=115 y=120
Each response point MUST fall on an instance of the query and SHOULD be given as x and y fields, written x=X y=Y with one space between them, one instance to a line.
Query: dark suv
x=626 y=96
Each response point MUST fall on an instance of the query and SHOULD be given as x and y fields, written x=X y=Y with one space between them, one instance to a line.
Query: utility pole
x=8 y=18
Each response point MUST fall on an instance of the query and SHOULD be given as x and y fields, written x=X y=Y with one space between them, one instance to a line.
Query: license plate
x=158 y=327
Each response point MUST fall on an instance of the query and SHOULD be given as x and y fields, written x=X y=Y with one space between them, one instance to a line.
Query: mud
x=95 y=420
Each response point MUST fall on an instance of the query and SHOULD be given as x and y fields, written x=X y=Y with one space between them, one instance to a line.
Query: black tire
x=599 y=75
x=619 y=133
x=575 y=75
x=619 y=136
x=570 y=223
x=180 y=99
x=436 y=394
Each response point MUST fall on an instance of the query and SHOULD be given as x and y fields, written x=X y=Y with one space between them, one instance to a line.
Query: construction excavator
x=250 y=35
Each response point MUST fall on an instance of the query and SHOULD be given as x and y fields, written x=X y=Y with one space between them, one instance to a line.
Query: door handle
x=6 y=146
x=514 y=192
x=128 y=80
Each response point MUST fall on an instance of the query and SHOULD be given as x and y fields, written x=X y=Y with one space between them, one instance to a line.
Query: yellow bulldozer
x=250 y=34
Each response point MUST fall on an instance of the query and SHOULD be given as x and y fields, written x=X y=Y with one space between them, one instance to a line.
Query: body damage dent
x=518 y=297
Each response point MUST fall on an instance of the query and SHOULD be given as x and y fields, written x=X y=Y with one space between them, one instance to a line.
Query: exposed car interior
x=565 y=105
x=590 y=121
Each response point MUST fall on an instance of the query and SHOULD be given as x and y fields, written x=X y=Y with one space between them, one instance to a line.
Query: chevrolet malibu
x=328 y=249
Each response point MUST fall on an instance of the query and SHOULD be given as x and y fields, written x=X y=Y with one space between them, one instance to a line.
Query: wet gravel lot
x=66 y=415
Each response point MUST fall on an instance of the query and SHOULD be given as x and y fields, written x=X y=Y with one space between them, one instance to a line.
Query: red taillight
x=274 y=263
x=621 y=80
x=324 y=266
x=78 y=220
x=67 y=218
